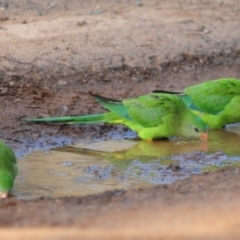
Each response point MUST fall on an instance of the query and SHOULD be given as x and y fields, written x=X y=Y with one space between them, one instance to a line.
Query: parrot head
x=194 y=127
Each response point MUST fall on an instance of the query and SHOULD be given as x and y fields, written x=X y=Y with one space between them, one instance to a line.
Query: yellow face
x=194 y=129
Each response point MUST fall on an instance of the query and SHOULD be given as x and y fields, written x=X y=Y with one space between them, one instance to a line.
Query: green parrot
x=152 y=116
x=217 y=102
x=8 y=169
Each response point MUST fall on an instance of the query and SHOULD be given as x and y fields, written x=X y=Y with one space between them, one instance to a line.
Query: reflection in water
x=93 y=168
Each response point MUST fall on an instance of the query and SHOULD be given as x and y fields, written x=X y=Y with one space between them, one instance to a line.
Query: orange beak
x=204 y=136
x=4 y=195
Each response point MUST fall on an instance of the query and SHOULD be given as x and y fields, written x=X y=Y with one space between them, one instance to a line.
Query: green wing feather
x=7 y=159
x=150 y=110
x=213 y=96
x=183 y=96
x=209 y=97
x=216 y=101
x=8 y=168
x=147 y=110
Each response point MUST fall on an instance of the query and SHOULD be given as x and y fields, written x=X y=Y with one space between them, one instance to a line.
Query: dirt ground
x=53 y=53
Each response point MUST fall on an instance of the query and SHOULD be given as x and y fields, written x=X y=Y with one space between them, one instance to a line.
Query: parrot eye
x=196 y=129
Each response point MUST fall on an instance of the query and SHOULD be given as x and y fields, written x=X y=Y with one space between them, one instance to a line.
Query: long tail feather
x=88 y=119
x=104 y=99
x=117 y=114
x=113 y=105
x=169 y=92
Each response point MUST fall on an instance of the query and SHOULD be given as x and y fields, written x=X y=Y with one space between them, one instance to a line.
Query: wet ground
x=52 y=55
x=93 y=168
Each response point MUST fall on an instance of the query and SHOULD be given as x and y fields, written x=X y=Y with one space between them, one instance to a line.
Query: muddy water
x=85 y=169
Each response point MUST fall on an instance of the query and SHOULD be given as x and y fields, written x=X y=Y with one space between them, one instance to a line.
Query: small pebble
x=62 y=82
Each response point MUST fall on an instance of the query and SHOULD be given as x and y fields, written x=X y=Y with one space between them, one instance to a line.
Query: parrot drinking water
x=152 y=116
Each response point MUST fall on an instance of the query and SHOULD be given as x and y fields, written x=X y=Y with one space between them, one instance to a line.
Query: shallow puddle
x=85 y=169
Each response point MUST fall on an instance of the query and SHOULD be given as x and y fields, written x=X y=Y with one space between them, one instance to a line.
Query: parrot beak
x=204 y=136
x=4 y=195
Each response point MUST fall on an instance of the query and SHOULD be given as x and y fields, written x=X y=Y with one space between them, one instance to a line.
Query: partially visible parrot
x=217 y=102
x=8 y=169
x=152 y=116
